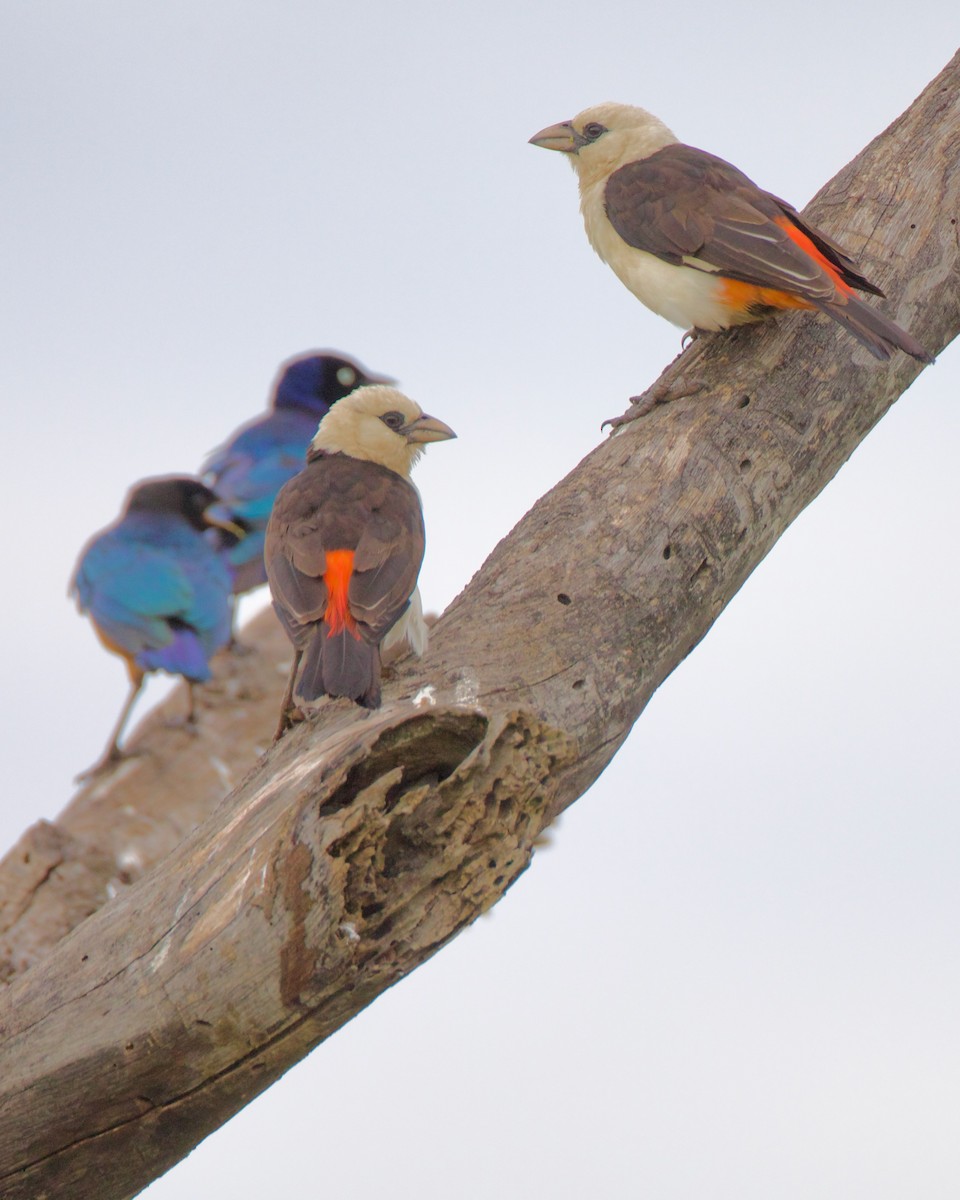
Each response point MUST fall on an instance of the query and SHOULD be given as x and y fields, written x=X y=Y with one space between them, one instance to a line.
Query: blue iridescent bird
x=157 y=589
x=250 y=468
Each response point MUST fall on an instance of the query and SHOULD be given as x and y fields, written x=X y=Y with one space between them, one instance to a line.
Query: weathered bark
x=120 y=824
x=361 y=844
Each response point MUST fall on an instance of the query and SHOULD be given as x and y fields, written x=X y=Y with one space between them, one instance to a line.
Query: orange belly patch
x=748 y=300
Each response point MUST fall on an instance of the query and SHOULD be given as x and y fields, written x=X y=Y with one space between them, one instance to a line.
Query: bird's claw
x=662 y=392
x=288 y=719
x=689 y=338
x=105 y=764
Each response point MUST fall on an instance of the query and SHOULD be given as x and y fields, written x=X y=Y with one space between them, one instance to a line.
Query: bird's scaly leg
x=287 y=709
x=663 y=391
x=113 y=754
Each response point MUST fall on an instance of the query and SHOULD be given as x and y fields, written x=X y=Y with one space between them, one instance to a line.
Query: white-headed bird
x=345 y=542
x=698 y=242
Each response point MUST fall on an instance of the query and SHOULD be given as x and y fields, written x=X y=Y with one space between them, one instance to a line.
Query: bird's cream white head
x=381 y=425
x=604 y=137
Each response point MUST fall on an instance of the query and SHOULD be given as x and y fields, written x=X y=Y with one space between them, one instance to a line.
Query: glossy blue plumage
x=158 y=592
x=156 y=589
x=249 y=469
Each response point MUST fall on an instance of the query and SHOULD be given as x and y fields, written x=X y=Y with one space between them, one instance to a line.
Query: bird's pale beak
x=427 y=429
x=562 y=137
x=220 y=517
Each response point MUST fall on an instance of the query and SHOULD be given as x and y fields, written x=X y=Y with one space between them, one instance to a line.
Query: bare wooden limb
x=359 y=846
x=323 y=885
x=121 y=823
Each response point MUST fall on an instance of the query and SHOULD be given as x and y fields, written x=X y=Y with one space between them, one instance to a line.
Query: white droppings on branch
x=130 y=860
x=467 y=688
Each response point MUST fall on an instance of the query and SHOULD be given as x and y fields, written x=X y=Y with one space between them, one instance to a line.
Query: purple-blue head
x=313 y=382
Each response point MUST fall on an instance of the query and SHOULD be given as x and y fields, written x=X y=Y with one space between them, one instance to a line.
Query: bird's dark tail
x=183 y=655
x=342 y=665
x=872 y=329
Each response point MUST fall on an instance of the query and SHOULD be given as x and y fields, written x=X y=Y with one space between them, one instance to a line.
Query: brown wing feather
x=683 y=203
x=387 y=560
x=343 y=503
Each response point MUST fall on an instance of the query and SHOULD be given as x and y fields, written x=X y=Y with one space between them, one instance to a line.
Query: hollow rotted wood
x=296 y=906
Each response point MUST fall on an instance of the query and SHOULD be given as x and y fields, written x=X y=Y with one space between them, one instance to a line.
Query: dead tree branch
x=360 y=845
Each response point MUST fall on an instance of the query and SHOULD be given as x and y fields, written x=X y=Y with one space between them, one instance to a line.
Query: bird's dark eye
x=394 y=420
x=593 y=129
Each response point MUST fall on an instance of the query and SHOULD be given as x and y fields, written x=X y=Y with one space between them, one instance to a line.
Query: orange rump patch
x=337 y=578
x=747 y=298
x=805 y=244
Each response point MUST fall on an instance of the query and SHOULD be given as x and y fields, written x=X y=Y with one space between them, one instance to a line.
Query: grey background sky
x=735 y=971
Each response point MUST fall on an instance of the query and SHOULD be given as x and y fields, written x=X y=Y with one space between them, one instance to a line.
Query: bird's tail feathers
x=183 y=655
x=342 y=665
x=872 y=329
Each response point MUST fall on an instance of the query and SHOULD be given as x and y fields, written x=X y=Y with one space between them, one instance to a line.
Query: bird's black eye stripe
x=593 y=130
x=393 y=420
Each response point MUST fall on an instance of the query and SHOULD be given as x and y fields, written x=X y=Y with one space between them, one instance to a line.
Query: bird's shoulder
x=338 y=481
x=272 y=433
x=341 y=502
x=672 y=202
x=146 y=553
x=678 y=169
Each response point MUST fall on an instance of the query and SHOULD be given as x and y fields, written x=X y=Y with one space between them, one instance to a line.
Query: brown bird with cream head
x=698 y=242
x=344 y=546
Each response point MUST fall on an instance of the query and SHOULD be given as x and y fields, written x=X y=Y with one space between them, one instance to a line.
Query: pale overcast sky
x=735 y=971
